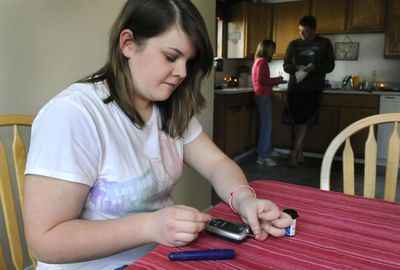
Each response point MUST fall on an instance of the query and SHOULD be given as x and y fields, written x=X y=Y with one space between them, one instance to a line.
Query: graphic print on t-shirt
x=118 y=198
x=306 y=54
x=148 y=192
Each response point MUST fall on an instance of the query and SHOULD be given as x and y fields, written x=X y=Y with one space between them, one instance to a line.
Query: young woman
x=263 y=83
x=107 y=151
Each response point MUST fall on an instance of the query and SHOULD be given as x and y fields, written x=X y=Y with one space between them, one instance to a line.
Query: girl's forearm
x=226 y=177
x=83 y=240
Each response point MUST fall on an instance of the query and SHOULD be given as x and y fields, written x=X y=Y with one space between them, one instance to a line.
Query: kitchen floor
x=309 y=174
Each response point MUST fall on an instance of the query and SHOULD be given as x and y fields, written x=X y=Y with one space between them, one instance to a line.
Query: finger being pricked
x=268 y=210
x=283 y=221
x=268 y=228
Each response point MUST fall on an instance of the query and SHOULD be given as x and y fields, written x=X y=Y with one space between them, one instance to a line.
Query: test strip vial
x=291 y=230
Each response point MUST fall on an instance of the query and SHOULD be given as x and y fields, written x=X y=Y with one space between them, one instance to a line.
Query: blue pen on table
x=208 y=254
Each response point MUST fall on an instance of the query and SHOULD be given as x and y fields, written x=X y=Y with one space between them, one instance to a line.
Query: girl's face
x=159 y=66
x=271 y=50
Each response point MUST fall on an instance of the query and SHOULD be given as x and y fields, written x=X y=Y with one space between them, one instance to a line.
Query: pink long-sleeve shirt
x=262 y=82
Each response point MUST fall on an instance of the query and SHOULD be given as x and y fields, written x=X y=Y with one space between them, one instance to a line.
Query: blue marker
x=209 y=254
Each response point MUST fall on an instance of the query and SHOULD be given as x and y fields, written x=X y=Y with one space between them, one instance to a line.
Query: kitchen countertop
x=242 y=90
x=236 y=90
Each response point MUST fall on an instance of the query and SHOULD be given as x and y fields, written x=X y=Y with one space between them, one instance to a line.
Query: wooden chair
x=6 y=193
x=370 y=157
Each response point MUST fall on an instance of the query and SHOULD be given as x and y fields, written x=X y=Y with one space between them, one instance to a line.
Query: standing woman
x=107 y=151
x=263 y=83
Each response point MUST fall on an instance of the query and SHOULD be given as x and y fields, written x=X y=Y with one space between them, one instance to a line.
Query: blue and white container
x=291 y=230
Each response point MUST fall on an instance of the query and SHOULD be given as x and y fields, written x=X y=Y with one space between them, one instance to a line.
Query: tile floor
x=308 y=174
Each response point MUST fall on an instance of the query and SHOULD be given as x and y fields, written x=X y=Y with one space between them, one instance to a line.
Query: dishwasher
x=387 y=104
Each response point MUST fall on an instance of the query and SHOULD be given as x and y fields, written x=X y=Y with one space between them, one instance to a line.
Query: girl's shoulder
x=260 y=61
x=81 y=95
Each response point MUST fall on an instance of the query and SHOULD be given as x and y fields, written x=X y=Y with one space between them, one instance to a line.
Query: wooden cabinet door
x=281 y=133
x=351 y=115
x=235 y=123
x=259 y=26
x=330 y=15
x=251 y=22
x=286 y=23
x=320 y=136
x=366 y=15
x=250 y=125
x=235 y=129
x=236 y=32
x=392 y=37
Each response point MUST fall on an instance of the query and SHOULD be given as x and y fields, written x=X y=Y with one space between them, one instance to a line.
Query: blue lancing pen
x=208 y=254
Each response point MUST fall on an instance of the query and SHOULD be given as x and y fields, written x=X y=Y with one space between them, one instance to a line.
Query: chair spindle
x=348 y=168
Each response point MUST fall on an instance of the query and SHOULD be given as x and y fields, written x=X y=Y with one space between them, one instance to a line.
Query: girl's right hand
x=177 y=225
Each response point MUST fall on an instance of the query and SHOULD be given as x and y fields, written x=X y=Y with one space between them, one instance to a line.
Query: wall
x=193 y=189
x=46 y=45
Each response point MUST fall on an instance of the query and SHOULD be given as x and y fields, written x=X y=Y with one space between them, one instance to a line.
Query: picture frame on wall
x=347 y=51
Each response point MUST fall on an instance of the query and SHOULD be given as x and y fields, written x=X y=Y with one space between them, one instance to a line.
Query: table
x=334 y=231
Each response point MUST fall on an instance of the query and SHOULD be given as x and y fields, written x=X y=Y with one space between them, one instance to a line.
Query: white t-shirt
x=77 y=137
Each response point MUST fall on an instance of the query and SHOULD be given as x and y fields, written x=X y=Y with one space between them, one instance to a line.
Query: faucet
x=345 y=81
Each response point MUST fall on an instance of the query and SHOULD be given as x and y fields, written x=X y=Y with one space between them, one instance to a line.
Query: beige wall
x=193 y=189
x=45 y=45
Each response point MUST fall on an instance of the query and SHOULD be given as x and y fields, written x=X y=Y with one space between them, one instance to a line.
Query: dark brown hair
x=147 y=19
x=262 y=49
x=308 y=21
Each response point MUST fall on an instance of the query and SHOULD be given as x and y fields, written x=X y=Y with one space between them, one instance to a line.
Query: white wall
x=370 y=58
x=45 y=45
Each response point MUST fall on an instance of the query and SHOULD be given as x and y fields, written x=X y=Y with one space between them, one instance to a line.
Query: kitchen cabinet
x=250 y=23
x=392 y=37
x=281 y=133
x=330 y=15
x=235 y=123
x=349 y=16
x=345 y=110
x=320 y=136
x=286 y=23
x=366 y=15
x=337 y=111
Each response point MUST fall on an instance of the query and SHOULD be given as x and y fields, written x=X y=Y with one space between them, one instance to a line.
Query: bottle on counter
x=356 y=81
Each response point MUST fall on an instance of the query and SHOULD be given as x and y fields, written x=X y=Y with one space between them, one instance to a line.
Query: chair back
x=392 y=162
x=6 y=192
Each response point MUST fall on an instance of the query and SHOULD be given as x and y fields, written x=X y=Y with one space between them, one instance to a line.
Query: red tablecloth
x=334 y=231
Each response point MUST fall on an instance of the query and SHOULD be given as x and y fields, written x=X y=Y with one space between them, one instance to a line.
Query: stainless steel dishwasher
x=387 y=104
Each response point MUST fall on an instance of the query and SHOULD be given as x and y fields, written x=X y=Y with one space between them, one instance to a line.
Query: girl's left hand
x=264 y=217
